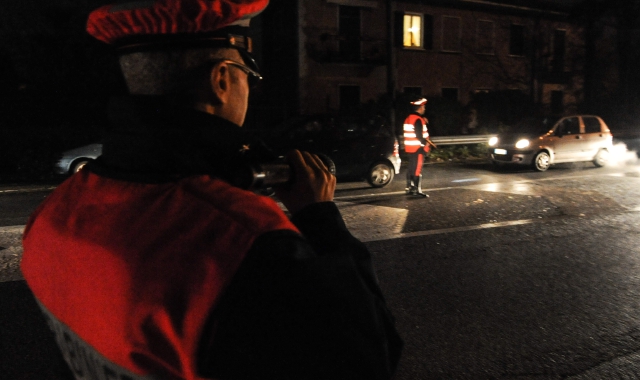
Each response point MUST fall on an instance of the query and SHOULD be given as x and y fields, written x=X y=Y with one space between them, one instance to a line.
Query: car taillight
x=396 y=149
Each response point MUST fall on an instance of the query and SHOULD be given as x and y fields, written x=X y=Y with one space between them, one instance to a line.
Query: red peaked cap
x=156 y=23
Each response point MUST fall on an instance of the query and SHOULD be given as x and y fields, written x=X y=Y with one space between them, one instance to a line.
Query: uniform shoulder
x=242 y=207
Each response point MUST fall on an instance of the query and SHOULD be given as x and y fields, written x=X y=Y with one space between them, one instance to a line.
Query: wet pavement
x=534 y=301
x=508 y=275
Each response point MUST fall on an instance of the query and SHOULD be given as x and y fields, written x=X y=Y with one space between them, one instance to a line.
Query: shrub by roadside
x=458 y=153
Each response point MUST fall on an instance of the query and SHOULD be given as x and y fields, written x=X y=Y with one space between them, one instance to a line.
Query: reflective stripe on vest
x=83 y=360
x=133 y=270
x=411 y=141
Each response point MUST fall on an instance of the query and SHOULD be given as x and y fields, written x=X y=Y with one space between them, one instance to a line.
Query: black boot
x=419 y=187
x=411 y=187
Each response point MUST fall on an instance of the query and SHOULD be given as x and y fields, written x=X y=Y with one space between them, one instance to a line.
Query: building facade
x=351 y=52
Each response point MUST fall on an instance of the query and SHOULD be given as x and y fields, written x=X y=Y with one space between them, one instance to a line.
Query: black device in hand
x=263 y=175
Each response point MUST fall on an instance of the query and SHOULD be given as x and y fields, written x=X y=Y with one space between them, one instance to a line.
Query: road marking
x=518 y=187
x=373 y=223
x=458 y=229
x=10 y=256
x=12 y=228
x=28 y=190
x=345 y=197
x=376 y=223
x=369 y=223
x=622 y=367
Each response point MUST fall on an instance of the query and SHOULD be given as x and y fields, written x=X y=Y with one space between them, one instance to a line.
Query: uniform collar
x=152 y=140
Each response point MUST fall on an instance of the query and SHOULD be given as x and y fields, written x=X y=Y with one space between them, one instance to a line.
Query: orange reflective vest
x=128 y=273
x=411 y=142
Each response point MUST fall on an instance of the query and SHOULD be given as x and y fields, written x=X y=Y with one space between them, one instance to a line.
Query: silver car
x=73 y=160
x=540 y=143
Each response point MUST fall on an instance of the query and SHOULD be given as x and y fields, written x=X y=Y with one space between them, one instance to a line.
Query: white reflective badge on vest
x=83 y=360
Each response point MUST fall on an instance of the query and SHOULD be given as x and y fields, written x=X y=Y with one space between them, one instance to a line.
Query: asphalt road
x=504 y=274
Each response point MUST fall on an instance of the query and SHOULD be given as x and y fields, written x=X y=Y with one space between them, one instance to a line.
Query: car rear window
x=591 y=125
x=537 y=125
x=569 y=126
x=329 y=128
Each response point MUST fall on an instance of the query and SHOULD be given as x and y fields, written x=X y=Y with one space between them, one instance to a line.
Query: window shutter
x=398 y=20
x=427 y=32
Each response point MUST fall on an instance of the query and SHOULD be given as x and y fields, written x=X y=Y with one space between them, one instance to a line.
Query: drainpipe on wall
x=535 y=91
x=302 y=59
x=391 y=65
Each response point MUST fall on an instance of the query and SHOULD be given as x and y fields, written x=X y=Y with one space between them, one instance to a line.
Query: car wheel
x=542 y=161
x=380 y=174
x=602 y=158
x=78 y=165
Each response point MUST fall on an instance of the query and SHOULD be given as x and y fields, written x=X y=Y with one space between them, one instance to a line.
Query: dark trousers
x=416 y=160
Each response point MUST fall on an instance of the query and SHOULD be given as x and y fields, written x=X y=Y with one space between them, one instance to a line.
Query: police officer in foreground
x=416 y=144
x=150 y=264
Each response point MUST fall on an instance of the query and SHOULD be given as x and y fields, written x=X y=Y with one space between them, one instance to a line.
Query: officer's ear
x=220 y=82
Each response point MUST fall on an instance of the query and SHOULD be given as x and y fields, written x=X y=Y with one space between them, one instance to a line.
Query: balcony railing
x=334 y=48
x=555 y=76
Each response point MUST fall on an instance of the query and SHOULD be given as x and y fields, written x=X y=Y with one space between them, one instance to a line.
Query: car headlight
x=522 y=143
x=493 y=141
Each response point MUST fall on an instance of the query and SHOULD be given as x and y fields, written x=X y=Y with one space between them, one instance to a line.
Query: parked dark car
x=71 y=161
x=360 y=148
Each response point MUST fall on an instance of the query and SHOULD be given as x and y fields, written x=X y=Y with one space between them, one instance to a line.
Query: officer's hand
x=312 y=182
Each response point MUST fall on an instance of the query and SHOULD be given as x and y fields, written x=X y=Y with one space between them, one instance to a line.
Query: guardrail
x=461 y=140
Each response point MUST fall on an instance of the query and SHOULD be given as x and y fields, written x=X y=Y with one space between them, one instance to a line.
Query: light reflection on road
x=519 y=188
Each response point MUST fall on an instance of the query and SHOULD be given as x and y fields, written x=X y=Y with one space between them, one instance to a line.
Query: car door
x=324 y=135
x=567 y=140
x=305 y=135
x=595 y=136
x=347 y=150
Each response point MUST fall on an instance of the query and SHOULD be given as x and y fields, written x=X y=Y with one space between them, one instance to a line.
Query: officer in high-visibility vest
x=416 y=145
x=152 y=263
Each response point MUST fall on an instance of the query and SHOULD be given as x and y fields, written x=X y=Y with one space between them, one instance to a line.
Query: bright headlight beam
x=522 y=143
x=493 y=141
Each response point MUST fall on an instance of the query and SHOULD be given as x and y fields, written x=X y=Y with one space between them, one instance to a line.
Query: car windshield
x=534 y=125
x=352 y=128
x=329 y=126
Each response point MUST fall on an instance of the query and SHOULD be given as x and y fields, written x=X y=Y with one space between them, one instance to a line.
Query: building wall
x=275 y=33
x=432 y=70
x=470 y=71
x=321 y=70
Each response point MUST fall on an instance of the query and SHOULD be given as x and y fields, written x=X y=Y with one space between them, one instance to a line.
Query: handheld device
x=264 y=175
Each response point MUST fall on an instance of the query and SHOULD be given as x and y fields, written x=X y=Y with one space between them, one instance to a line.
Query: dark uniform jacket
x=277 y=299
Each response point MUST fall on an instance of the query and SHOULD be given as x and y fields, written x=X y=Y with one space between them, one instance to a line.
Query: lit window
x=412 y=30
